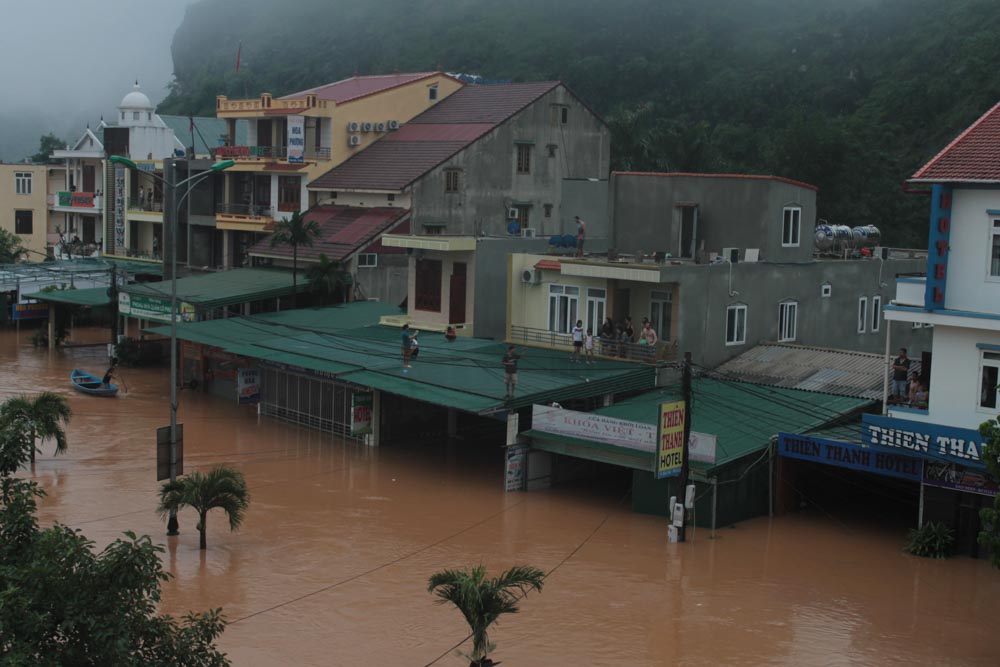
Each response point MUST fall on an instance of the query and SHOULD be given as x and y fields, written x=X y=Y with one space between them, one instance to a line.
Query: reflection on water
x=332 y=563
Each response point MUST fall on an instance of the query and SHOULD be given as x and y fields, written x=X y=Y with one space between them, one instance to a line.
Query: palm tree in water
x=44 y=416
x=295 y=231
x=482 y=600
x=221 y=487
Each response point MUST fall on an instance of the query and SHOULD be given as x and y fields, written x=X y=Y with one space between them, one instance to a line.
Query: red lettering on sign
x=941 y=246
x=938 y=295
x=945 y=200
x=939 y=270
x=944 y=224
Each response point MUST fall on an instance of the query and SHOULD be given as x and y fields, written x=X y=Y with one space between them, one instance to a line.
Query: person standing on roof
x=581 y=235
x=408 y=344
x=510 y=359
x=577 y=341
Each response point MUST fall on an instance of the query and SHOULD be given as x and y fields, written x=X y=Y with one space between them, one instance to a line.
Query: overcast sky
x=69 y=61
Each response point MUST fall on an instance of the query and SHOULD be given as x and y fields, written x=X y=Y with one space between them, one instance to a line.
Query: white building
x=960 y=298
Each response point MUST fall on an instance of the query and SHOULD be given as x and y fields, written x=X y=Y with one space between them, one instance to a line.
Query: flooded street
x=331 y=565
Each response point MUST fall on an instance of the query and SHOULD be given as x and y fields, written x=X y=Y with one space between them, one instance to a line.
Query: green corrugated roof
x=742 y=416
x=465 y=374
x=92 y=296
x=225 y=288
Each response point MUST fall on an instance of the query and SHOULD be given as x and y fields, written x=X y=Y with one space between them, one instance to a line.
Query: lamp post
x=175 y=209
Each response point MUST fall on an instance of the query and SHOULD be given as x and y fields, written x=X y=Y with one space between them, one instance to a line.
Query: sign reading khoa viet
x=670 y=439
x=590 y=426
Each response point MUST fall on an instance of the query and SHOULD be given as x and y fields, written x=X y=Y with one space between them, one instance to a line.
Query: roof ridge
x=782 y=179
x=955 y=141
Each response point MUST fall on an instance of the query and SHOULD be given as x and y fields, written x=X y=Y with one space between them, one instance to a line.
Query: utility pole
x=683 y=478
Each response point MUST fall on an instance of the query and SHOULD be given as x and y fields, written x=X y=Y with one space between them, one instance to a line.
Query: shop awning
x=225 y=288
x=93 y=297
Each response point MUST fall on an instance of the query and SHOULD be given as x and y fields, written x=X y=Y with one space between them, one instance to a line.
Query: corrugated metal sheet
x=387 y=165
x=360 y=86
x=485 y=104
x=440 y=132
x=839 y=372
x=344 y=230
x=225 y=288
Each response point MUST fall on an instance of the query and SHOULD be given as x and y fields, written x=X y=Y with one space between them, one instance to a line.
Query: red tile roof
x=972 y=157
x=550 y=264
x=346 y=90
x=344 y=230
x=422 y=144
x=672 y=174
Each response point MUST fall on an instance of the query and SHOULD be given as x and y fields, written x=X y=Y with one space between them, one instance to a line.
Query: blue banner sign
x=933 y=442
x=848 y=455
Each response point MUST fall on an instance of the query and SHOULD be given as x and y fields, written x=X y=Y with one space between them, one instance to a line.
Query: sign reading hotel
x=938 y=247
x=849 y=455
x=296 y=138
x=927 y=441
x=590 y=426
x=670 y=439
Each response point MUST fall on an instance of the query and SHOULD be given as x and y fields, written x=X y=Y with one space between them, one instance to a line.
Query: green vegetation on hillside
x=851 y=95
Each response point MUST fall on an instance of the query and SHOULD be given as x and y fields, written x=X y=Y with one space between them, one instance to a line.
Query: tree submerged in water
x=482 y=601
x=221 y=487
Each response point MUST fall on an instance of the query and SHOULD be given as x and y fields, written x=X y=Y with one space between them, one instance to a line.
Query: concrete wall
x=732 y=212
x=11 y=202
x=970 y=286
x=702 y=294
x=489 y=184
x=363 y=199
x=588 y=199
x=386 y=282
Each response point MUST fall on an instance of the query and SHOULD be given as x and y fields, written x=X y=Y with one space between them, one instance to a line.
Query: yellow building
x=23 y=190
x=296 y=138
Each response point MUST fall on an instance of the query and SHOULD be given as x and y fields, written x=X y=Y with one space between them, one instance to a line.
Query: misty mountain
x=851 y=95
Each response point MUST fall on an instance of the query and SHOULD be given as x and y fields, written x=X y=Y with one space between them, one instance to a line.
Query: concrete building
x=23 y=189
x=960 y=298
x=295 y=138
x=718 y=264
x=483 y=173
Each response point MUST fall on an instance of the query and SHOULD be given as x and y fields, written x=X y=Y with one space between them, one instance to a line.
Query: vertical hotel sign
x=119 y=220
x=937 y=247
x=670 y=439
x=296 y=138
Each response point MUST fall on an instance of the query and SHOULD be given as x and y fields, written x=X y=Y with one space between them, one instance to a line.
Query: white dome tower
x=136 y=110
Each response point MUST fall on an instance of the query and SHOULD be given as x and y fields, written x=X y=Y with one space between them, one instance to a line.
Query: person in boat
x=106 y=380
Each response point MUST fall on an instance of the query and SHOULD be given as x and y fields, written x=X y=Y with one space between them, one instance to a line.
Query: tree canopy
x=46 y=144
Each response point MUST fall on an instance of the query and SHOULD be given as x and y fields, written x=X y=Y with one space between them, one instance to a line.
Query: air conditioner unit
x=512 y=214
x=380 y=127
x=731 y=255
x=531 y=276
x=528 y=232
x=354 y=140
x=393 y=124
x=366 y=126
x=353 y=126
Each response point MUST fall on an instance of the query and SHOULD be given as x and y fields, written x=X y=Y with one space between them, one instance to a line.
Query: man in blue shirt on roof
x=408 y=344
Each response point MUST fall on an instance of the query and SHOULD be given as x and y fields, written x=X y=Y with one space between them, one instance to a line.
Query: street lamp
x=171 y=187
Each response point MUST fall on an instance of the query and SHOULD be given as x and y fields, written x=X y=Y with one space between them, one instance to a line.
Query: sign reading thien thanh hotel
x=934 y=442
x=670 y=439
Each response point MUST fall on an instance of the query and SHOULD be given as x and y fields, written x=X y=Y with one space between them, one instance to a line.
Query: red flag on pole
x=239 y=50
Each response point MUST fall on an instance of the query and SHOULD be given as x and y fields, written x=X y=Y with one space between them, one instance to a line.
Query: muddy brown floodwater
x=332 y=563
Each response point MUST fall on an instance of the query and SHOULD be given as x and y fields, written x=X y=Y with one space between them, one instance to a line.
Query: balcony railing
x=245 y=210
x=605 y=348
x=145 y=205
x=74 y=200
x=252 y=152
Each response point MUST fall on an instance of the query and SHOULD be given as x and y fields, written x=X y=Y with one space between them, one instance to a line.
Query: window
x=23 y=222
x=523 y=214
x=736 y=324
x=563 y=302
x=876 y=313
x=995 y=250
x=788 y=315
x=367 y=260
x=432 y=93
x=791 y=222
x=123 y=115
x=661 y=307
x=390 y=197
x=552 y=150
x=524 y=158
x=825 y=290
x=433 y=228
x=149 y=115
x=989 y=379
x=289 y=193
x=451 y=180
x=135 y=115
x=596 y=306
x=428 y=285
x=564 y=115
x=22 y=182
x=548 y=210
x=862 y=314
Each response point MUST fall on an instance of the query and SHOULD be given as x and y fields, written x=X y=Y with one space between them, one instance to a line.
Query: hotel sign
x=849 y=455
x=938 y=247
x=932 y=442
x=119 y=212
x=670 y=439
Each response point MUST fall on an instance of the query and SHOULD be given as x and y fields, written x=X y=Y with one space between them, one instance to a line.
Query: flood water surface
x=332 y=563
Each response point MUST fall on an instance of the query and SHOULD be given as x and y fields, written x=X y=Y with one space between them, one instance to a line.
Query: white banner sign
x=701 y=447
x=296 y=138
x=590 y=426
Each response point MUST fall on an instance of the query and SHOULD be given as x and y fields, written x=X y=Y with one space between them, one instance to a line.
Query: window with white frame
x=862 y=314
x=563 y=306
x=876 y=313
x=661 y=307
x=596 y=306
x=995 y=249
x=825 y=290
x=367 y=260
x=788 y=315
x=989 y=379
x=791 y=223
x=736 y=324
x=22 y=182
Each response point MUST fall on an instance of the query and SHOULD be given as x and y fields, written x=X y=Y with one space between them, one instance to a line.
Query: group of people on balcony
x=620 y=339
x=907 y=388
x=145 y=200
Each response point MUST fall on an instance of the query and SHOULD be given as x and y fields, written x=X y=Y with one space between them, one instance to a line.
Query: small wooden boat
x=91 y=384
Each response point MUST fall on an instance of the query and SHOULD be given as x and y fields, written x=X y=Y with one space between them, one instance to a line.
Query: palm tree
x=483 y=600
x=44 y=416
x=326 y=278
x=295 y=232
x=220 y=487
